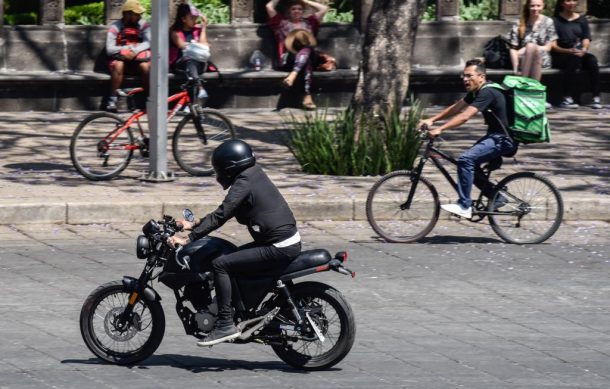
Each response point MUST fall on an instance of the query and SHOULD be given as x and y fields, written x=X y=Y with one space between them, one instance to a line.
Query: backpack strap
x=501 y=89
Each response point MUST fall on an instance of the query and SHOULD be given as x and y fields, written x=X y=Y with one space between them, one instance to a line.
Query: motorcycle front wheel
x=326 y=344
x=116 y=342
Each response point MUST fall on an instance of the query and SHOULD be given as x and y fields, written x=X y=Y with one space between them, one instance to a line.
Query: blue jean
x=486 y=149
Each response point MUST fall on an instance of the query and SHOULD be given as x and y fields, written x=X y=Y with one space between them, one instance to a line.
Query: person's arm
x=237 y=194
x=551 y=34
x=321 y=9
x=451 y=110
x=177 y=40
x=456 y=120
x=270 y=7
x=111 y=47
x=145 y=44
x=203 y=34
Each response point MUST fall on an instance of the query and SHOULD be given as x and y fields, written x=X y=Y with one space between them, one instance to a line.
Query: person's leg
x=117 y=71
x=300 y=63
x=531 y=62
x=250 y=258
x=144 y=68
x=590 y=64
x=486 y=149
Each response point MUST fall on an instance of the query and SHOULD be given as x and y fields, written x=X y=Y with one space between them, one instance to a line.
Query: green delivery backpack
x=526 y=109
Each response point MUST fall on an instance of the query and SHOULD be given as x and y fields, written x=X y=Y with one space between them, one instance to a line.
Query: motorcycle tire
x=309 y=297
x=111 y=344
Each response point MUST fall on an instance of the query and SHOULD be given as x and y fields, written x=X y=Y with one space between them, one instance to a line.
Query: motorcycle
x=309 y=325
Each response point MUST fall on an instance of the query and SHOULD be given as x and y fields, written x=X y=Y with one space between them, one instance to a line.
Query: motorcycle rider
x=257 y=203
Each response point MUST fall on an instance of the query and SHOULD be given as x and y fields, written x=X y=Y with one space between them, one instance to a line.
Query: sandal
x=308 y=103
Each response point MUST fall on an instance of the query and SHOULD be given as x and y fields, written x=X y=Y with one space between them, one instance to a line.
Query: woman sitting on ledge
x=299 y=59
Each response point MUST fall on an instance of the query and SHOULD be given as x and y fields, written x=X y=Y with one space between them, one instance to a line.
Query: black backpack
x=496 y=53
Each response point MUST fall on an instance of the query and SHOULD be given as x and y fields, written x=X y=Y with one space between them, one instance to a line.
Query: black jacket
x=256 y=203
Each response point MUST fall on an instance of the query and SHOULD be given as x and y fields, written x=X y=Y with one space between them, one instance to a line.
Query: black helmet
x=231 y=158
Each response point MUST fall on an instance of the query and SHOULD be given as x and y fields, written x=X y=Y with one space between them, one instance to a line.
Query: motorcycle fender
x=131 y=284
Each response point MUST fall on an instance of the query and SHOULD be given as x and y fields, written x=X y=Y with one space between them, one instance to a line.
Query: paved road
x=461 y=310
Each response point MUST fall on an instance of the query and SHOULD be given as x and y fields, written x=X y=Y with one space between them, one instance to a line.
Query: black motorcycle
x=309 y=325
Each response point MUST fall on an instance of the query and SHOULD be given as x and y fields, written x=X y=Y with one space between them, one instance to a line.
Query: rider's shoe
x=457 y=209
x=220 y=333
x=111 y=104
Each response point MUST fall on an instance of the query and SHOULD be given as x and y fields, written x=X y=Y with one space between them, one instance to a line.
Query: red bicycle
x=103 y=143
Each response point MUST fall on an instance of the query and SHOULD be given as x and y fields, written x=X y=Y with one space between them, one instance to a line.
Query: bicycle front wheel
x=525 y=209
x=193 y=147
x=389 y=215
x=99 y=149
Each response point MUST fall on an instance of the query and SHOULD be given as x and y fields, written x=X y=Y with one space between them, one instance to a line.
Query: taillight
x=342 y=256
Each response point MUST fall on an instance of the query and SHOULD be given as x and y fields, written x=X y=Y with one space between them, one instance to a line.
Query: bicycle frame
x=181 y=99
x=435 y=155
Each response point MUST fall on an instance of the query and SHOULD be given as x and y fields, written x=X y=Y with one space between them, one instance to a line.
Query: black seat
x=307 y=259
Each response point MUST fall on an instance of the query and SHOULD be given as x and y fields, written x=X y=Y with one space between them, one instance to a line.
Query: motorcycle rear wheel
x=334 y=318
x=99 y=329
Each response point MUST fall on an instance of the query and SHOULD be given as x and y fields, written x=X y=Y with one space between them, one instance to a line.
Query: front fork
x=415 y=174
x=138 y=289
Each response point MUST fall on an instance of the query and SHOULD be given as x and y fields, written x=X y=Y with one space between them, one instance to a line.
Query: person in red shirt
x=128 y=47
x=300 y=59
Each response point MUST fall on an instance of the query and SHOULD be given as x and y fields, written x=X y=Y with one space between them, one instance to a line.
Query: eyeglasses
x=468 y=76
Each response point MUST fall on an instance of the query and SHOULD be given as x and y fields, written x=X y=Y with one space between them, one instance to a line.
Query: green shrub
x=21 y=18
x=329 y=147
x=86 y=14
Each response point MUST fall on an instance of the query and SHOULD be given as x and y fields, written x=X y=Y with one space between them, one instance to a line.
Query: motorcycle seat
x=307 y=259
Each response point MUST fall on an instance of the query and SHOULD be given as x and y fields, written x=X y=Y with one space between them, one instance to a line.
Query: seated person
x=184 y=30
x=128 y=46
x=296 y=61
x=571 y=53
x=531 y=39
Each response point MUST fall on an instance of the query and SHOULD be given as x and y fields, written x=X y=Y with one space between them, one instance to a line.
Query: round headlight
x=142 y=247
x=151 y=227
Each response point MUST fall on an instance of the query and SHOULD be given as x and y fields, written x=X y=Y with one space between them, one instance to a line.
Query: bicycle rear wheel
x=386 y=213
x=94 y=152
x=526 y=209
x=193 y=149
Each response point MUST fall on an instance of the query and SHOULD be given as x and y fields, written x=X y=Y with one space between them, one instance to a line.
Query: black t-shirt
x=571 y=33
x=489 y=99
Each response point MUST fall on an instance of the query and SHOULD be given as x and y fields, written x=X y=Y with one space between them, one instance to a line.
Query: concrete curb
x=581 y=209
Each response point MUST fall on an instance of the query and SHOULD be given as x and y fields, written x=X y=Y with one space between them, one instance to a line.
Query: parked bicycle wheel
x=387 y=213
x=98 y=150
x=526 y=208
x=193 y=146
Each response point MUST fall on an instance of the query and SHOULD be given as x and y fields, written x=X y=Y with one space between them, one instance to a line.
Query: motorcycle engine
x=206 y=317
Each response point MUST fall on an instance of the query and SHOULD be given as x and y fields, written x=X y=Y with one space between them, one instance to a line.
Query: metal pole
x=156 y=107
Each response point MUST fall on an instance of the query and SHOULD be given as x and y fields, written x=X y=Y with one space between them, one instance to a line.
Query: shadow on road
x=196 y=364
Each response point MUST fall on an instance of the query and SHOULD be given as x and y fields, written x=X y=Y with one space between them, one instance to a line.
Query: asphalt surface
x=39 y=185
x=460 y=310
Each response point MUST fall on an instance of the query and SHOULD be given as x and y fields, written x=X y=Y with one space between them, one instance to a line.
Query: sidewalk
x=38 y=183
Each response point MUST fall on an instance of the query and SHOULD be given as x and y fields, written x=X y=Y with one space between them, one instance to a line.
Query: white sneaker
x=457 y=209
x=596 y=103
x=568 y=102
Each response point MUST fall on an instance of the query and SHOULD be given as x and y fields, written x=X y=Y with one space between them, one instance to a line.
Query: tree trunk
x=383 y=79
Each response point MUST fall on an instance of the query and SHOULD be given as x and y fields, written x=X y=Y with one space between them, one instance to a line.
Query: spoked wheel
x=391 y=218
x=526 y=208
x=118 y=340
x=325 y=342
x=193 y=149
x=98 y=151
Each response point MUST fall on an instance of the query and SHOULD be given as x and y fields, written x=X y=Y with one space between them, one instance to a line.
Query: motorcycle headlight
x=142 y=247
x=152 y=227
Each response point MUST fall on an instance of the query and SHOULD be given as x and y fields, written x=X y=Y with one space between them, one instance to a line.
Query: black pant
x=192 y=69
x=570 y=64
x=250 y=258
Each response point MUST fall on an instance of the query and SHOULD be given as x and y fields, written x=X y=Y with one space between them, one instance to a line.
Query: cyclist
x=492 y=104
x=257 y=203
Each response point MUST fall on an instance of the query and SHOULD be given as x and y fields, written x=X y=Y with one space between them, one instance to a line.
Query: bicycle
x=103 y=143
x=523 y=208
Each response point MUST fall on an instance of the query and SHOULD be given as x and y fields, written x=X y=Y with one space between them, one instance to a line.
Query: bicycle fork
x=415 y=174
